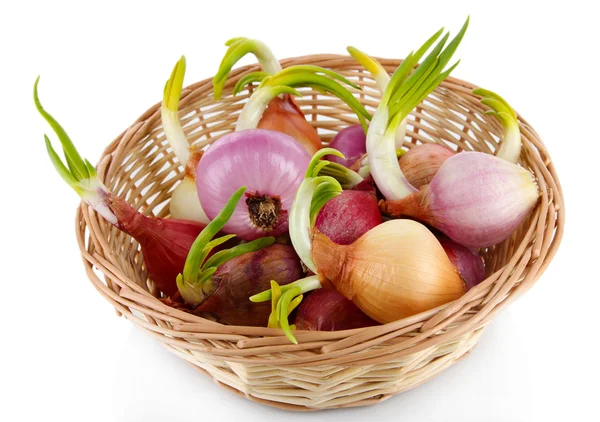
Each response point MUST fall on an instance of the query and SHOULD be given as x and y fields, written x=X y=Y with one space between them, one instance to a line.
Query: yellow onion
x=422 y=162
x=284 y=115
x=395 y=270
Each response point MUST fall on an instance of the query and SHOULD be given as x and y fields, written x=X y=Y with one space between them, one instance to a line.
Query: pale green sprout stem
x=408 y=86
x=238 y=48
x=382 y=79
x=257 y=104
x=284 y=299
x=302 y=211
x=292 y=77
x=78 y=173
x=169 y=113
x=194 y=283
x=510 y=149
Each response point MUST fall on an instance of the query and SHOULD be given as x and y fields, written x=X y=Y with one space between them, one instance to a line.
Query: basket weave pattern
x=326 y=369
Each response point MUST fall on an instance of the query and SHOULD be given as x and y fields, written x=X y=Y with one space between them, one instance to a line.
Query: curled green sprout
x=284 y=299
x=78 y=173
x=293 y=77
x=314 y=191
x=169 y=112
x=407 y=88
x=195 y=283
x=510 y=149
x=238 y=48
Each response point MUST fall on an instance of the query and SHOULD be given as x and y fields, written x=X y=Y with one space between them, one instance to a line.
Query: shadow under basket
x=326 y=369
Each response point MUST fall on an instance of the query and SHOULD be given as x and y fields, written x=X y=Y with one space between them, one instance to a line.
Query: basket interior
x=140 y=166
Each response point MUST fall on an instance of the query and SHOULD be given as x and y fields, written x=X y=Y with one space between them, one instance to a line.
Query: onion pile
x=270 y=228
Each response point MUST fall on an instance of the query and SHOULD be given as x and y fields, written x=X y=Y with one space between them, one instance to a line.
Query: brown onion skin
x=164 y=242
x=420 y=164
x=284 y=115
x=329 y=310
x=246 y=275
x=467 y=261
x=364 y=271
x=349 y=215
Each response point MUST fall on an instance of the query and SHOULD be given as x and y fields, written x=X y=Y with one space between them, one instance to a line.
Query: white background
x=65 y=354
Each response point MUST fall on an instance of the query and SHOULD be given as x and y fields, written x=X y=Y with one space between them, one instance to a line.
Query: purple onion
x=329 y=310
x=467 y=261
x=475 y=199
x=349 y=215
x=351 y=142
x=270 y=164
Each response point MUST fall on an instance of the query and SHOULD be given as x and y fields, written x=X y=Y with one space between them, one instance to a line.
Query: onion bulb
x=164 y=243
x=351 y=142
x=271 y=164
x=422 y=162
x=395 y=270
x=220 y=284
x=467 y=261
x=349 y=215
x=329 y=310
x=278 y=112
x=476 y=199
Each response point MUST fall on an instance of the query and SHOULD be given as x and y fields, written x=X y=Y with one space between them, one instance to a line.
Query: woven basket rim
x=531 y=258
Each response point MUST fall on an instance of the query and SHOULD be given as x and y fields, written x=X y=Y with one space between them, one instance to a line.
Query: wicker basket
x=326 y=369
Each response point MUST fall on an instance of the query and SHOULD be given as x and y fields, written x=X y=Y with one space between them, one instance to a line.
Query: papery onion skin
x=351 y=142
x=165 y=243
x=395 y=270
x=420 y=164
x=329 y=310
x=266 y=161
x=476 y=199
x=467 y=261
x=246 y=275
x=284 y=115
x=349 y=215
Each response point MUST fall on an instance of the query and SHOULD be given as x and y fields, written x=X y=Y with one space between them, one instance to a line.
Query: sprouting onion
x=510 y=148
x=382 y=79
x=165 y=243
x=184 y=202
x=406 y=89
x=238 y=48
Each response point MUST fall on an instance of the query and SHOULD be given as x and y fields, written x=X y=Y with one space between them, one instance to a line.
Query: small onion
x=422 y=162
x=329 y=310
x=395 y=270
x=467 y=261
x=348 y=216
x=351 y=142
x=284 y=115
x=271 y=165
x=246 y=275
x=476 y=199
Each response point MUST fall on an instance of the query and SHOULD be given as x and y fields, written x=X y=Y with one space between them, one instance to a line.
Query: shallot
x=165 y=243
x=221 y=284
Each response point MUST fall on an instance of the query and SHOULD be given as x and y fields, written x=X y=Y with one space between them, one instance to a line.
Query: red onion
x=329 y=310
x=421 y=162
x=349 y=215
x=271 y=164
x=246 y=275
x=476 y=199
x=351 y=142
x=467 y=261
x=165 y=243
